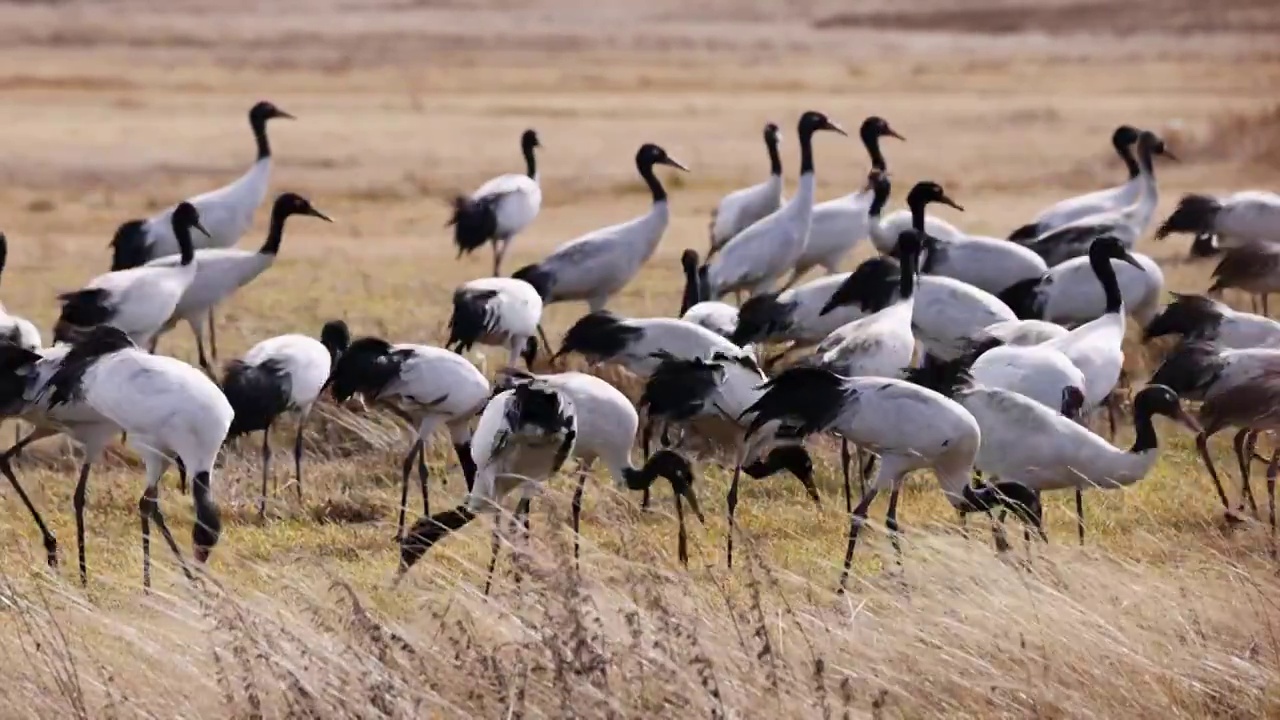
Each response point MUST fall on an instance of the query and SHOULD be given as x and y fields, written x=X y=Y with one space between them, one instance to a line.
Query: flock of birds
x=985 y=360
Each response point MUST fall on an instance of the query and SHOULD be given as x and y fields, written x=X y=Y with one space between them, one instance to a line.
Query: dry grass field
x=117 y=107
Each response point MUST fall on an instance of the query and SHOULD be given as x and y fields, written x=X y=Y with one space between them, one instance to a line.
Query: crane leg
x=1271 y=496
x=494 y=545
x=1202 y=444
x=297 y=456
x=266 y=471
x=577 y=513
x=856 y=520
x=1080 y=514
x=204 y=361
x=404 y=487
x=844 y=466
x=50 y=543
x=213 y=337
x=79 y=502
x=891 y=524
x=732 y=503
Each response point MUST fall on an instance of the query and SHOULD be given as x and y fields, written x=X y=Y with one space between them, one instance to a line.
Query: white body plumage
x=1069 y=293
x=495 y=311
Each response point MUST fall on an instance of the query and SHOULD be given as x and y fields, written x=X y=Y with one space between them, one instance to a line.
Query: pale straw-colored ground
x=115 y=108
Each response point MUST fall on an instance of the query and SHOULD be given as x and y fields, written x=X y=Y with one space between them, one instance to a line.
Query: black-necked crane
x=139 y=301
x=426 y=386
x=499 y=209
x=741 y=208
x=1041 y=447
x=1082 y=206
x=524 y=436
x=282 y=374
x=169 y=409
x=496 y=311
x=1196 y=317
x=226 y=212
x=757 y=257
x=220 y=272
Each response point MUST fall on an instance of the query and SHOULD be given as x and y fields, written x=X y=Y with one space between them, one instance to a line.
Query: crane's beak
x=893 y=134
x=316 y=213
x=200 y=227
x=835 y=127
x=948 y=201
x=1129 y=258
x=675 y=164
x=282 y=114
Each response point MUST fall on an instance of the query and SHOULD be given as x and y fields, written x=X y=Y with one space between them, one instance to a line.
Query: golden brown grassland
x=114 y=108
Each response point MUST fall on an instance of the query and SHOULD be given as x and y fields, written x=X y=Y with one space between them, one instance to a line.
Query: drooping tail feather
x=946 y=377
x=808 y=397
x=1026 y=233
x=471 y=318
x=474 y=222
x=81 y=310
x=679 y=389
x=1194 y=214
x=1188 y=315
x=601 y=335
x=129 y=247
x=1021 y=298
x=65 y=384
x=257 y=393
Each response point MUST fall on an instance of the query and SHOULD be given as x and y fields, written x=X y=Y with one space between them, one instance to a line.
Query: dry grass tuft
x=960 y=631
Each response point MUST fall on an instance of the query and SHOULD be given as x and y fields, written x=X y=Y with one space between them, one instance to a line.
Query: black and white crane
x=426 y=386
x=756 y=258
x=1027 y=443
x=282 y=374
x=499 y=209
x=683 y=390
x=793 y=316
x=882 y=343
x=1069 y=293
x=908 y=426
x=837 y=225
x=637 y=343
x=139 y=301
x=1127 y=223
x=1238 y=389
x=607 y=426
x=1081 y=206
x=946 y=313
x=1097 y=346
x=739 y=209
x=23 y=375
x=524 y=436
x=220 y=272
x=169 y=409
x=1239 y=219
x=226 y=212
x=596 y=266
x=496 y=311
x=885 y=230
x=1196 y=317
